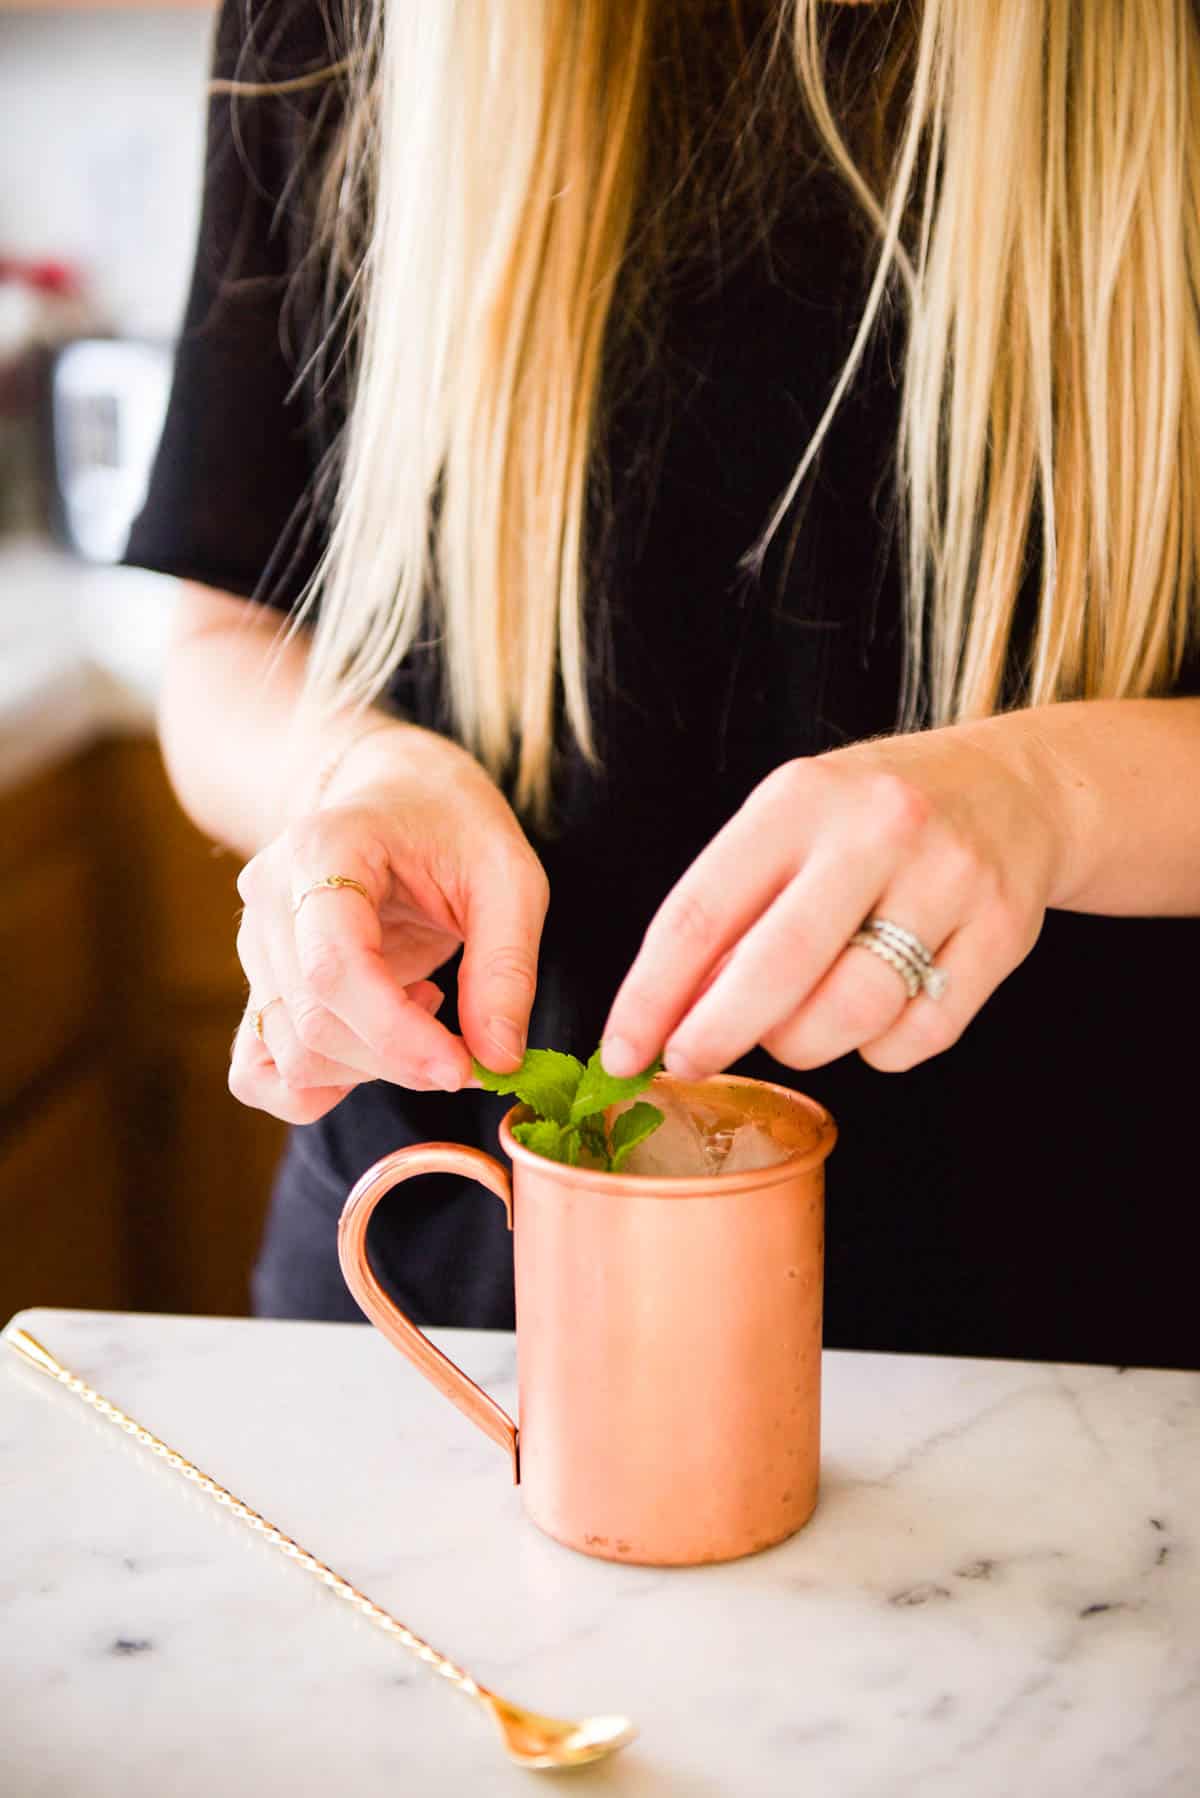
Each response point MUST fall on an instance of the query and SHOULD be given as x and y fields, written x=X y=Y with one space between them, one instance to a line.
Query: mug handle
x=385 y=1314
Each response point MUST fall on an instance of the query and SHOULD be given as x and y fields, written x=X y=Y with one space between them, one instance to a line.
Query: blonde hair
x=1039 y=218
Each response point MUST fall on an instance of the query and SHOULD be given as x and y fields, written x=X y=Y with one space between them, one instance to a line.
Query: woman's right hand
x=342 y=982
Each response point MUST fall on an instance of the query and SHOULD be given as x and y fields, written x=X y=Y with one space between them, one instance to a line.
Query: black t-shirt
x=1023 y=1194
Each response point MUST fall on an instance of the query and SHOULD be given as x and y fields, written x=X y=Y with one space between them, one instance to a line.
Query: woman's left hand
x=952 y=834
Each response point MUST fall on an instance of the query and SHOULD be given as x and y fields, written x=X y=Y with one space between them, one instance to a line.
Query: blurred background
x=128 y=1175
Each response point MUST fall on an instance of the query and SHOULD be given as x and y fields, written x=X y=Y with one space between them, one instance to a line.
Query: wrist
x=1038 y=746
x=378 y=748
x=323 y=754
x=340 y=758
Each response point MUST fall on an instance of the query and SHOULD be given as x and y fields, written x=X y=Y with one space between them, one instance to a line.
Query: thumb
x=497 y=978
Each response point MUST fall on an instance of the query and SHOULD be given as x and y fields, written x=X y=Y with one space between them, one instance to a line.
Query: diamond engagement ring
x=906 y=953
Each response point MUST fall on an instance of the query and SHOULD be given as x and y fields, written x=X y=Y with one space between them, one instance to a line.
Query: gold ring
x=256 y=1017
x=332 y=882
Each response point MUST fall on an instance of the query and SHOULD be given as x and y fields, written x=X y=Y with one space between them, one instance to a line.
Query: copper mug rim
x=668 y=1186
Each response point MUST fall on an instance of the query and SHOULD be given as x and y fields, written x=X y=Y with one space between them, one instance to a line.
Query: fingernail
x=620 y=1058
x=507 y=1037
x=446 y=1074
x=679 y=1065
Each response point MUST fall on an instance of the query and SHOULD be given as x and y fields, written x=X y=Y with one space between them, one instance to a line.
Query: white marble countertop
x=999 y=1593
x=81 y=652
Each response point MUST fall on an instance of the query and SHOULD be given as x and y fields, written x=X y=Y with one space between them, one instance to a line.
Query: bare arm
x=1125 y=776
x=219 y=727
x=226 y=720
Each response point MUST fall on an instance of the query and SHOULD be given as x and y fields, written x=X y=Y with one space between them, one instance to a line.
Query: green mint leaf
x=547 y=1138
x=631 y=1128
x=546 y=1081
x=591 y=1135
x=598 y=1090
x=570 y=1101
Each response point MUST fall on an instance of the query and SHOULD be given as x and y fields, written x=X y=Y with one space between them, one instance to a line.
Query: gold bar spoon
x=529 y=1739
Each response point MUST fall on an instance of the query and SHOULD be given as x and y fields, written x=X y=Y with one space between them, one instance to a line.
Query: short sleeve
x=230 y=500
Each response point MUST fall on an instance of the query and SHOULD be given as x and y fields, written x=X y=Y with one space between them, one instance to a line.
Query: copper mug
x=668 y=1335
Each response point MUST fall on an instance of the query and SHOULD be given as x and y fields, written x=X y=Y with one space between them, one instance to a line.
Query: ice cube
x=717 y=1129
x=733 y=1143
x=700 y=1139
x=752 y=1147
x=675 y=1148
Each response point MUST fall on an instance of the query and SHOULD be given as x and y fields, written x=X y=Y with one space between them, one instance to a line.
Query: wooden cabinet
x=215 y=1163
x=128 y=1174
x=63 y=1234
x=50 y=947
x=181 y=909
x=64 y=1228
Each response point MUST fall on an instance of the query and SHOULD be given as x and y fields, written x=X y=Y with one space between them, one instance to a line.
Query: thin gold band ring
x=331 y=883
x=256 y=1017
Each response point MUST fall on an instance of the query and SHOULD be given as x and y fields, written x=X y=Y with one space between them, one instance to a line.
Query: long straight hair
x=1037 y=216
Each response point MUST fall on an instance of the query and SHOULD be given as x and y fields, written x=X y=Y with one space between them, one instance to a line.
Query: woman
x=734 y=471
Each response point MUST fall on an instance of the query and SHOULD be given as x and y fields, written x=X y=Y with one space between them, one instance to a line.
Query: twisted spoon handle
x=32 y=1351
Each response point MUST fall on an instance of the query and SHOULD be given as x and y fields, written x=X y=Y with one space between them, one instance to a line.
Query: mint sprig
x=545 y=1137
x=631 y=1128
x=569 y=1102
x=546 y=1081
x=596 y=1090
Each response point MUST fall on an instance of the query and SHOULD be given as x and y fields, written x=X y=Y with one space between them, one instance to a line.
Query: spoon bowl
x=532 y=1740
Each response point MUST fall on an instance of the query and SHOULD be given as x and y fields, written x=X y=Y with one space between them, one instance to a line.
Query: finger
x=275 y=989
x=254 y=1080
x=781 y=960
x=338 y=938
x=975 y=961
x=729 y=885
x=285 y=1048
x=300 y=1067
x=427 y=994
x=862 y=996
x=497 y=979
x=310 y=1044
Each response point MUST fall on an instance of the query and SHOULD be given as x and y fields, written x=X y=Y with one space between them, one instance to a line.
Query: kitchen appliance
x=104 y=400
x=42 y=302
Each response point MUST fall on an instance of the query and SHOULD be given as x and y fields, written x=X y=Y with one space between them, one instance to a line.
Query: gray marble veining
x=998 y=1595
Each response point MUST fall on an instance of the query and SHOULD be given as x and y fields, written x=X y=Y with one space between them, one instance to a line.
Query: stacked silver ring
x=904 y=952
